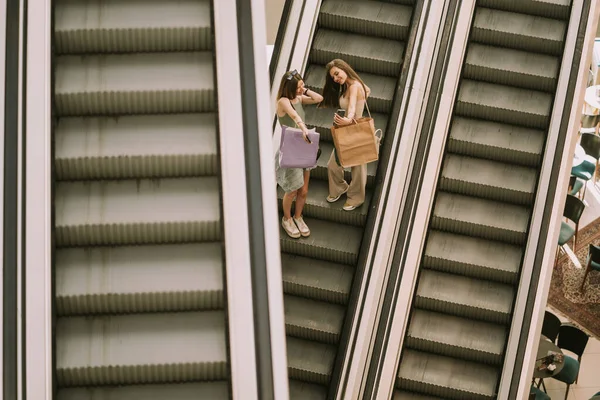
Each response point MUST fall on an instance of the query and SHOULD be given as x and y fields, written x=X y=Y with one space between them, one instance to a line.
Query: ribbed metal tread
x=178 y=391
x=449 y=378
x=558 y=9
x=382 y=87
x=99 y=26
x=320 y=172
x=140 y=83
x=402 y=395
x=309 y=361
x=325 y=242
x=139 y=279
x=322 y=120
x=464 y=296
x=137 y=211
x=511 y=67
x=492 y=180
x=505 y=104
x=317 y=206
x=306 y=391
x=479 y=217
x=141 y=348
x=369 y=54
x=313 y=320
x=316 y=279
x=496 y=141
x=518 y=31
x=474 y=257
x=457 y=337
x=145 y=146
x=373 y=18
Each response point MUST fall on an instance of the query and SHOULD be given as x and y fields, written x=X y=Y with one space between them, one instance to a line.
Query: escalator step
x=382 y=88
x=328 y=241
x=518 y=31
x=139 y=279
x=136 y=146
x=505 y=104
x=137 y=211
x=449 y=378
x=141 y=83
x=495 y=141
x=313 y=320
x=402 y=395
x=456 y=337
x=511 y=67
x=322 y=120
x=465 y=297
x=364 y=53
x=141 y=348
x=306 y=391
x=317 y=206
x=310 y=362
x=114 y=26
x=320 y=172
x=492 y=180
x=373 y=18
x=486 y=219
x=558 y=9
x=316 y=279
x=179 y=391
x=474 y=257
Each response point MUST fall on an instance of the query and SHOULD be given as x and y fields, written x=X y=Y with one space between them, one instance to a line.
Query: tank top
x=287 y=120
x=360 y=106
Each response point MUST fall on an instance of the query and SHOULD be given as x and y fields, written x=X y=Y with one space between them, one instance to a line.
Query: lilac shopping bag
x=294 y=152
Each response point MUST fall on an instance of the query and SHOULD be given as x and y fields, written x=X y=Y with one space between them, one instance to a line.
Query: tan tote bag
x=357 y=143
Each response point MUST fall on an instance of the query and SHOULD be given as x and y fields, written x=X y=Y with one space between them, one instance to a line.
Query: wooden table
x=544 y=347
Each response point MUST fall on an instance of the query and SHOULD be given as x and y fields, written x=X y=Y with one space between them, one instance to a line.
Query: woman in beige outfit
x=344 y=89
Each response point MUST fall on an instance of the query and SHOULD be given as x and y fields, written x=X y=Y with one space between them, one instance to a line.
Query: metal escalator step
x=456 y=337
x=511 y=67
x=557 y=9
x=382 y=87
x=102 y=26
x=313 y=320
x=373 y=18
x=179 y=391
x=446 y=377
x=317 y=206
x=306 y=391
x=482 y=218
x=488 y=179
x=474 y=257
x=496 y=141
x=322 y=120
x=310 y=362
x=518 y=31
x=141 y=348
x=145 y=146
x=139 y=279
x=137 y=211
x=505 y=104
x=402 y=395
x=364 y=53
x=320 y=172
x=328 y=241
x=141 y=83
x=465 y=297
x=316 y=279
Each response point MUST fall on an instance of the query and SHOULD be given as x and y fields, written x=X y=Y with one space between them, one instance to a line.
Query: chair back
x=589 y=120
x=591 y=144
x=551 y=326
x=573 y=208
x=594 y=253
x=572 y=338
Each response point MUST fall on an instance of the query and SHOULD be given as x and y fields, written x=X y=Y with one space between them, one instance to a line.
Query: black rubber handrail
x=283 y=24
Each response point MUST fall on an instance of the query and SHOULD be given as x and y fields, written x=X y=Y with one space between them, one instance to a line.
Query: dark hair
x=289 y=85
x=333 y=91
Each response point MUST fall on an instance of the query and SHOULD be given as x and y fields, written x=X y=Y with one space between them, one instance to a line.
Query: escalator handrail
x=281 y=30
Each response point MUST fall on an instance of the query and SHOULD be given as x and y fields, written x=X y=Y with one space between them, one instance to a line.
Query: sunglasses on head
x=292 y=74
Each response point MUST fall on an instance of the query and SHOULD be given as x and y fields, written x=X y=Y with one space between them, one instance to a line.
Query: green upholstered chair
x=593 y=262
x=537 y=394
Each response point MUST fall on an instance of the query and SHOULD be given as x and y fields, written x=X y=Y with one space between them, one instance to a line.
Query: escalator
x=462 y=308
x=139 y=275
x=318 y=271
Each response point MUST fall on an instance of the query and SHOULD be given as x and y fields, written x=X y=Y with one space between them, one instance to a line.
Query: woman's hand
x=341 y=121
x=305 y=136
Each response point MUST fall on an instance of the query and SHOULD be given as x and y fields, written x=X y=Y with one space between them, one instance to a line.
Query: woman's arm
x=351 y=111
x=311 y=97
x=286 y=106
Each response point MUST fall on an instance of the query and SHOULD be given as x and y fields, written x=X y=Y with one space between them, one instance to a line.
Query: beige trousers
x=337 y=183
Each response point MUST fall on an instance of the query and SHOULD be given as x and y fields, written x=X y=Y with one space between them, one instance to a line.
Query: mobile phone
x=341 y=112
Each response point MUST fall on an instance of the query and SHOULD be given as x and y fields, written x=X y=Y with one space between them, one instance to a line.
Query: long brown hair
x=289 y=85
x=333 y=91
